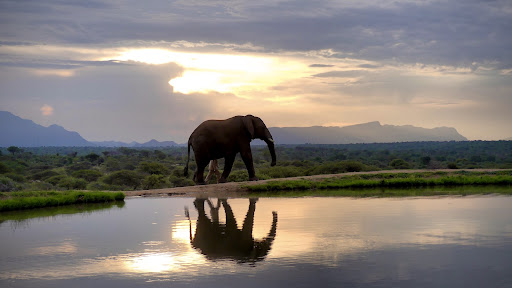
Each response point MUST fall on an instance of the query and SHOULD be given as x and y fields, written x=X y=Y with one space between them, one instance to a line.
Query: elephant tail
x=185 y=171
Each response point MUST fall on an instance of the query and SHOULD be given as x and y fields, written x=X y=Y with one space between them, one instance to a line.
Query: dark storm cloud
x=447 y=32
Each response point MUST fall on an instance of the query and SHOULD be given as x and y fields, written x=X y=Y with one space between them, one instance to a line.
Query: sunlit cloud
x=47 y=110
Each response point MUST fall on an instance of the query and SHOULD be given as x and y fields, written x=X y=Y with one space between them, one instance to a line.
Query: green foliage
x=54 y=180
x=180 y=181
x=70 y=183
x=4 y=169
x=45 y=174
x=154 y=181
x=153 y=168
x=338 y=167
x=92 y=157
x=32 y=167
x=123 y=178
x=13 y=150
x=7 y=184
x=29 y=200
x=399 y=164
x=87 y=174
x=387 y=180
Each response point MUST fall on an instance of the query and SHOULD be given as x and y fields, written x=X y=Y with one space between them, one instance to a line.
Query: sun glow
x=226 y=73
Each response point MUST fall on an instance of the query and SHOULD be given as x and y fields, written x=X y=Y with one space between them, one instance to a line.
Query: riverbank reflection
x=218 y=240
x=359 y=242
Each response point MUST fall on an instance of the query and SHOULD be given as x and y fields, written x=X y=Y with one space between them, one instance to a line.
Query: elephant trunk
x=270 y=143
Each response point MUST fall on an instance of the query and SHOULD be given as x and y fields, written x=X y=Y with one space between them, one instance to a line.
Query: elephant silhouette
x=226 y=241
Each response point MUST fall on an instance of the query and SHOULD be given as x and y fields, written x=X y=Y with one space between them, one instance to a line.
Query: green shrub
x=54 y=180
x=100 y=186
x=155 y=182
x=16 y=177
x=72 y=183
x=282 y=171
x=7 y=184
x=45 y=174
x=123 y=178
x=238 y=176
x=452 y=165
x=399 y=164
x=3 y=168
x=87 y=174
x=337 y=167
x=180 y=181
x=153 y=168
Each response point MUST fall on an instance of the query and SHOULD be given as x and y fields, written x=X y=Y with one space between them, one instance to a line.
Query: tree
x=13 y=150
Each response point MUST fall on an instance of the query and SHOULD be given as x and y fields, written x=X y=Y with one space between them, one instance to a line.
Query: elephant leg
x=201 y=165
x=247 y=157
x=228 y=164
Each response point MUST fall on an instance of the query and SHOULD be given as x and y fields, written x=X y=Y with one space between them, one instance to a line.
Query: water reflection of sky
x=149 y=239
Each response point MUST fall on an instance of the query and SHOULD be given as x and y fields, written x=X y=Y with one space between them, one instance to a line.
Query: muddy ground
x=235 y=189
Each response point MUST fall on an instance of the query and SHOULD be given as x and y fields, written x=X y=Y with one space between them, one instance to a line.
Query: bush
x=238 y=176
x=180 y=181
x=4 y=168
x=155 y=182
x=16 y=177
x=123 y=178
x=153 y=168
x=399 y=164
x=282 y=171
x=54 y=180
x=452 y=165
x=70 y=183
x=7 y=184
x=88 y=174
x=44 y=175
x=99 y=186
x=337 y=167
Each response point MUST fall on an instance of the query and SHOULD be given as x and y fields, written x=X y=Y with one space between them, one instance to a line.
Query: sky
x=142 y=70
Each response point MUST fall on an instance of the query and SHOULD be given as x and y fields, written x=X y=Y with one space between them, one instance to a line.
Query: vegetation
x=39 y=199
x=121 y=169
x=391 y=180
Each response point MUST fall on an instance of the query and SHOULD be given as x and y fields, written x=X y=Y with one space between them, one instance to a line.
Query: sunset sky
x=142 y=70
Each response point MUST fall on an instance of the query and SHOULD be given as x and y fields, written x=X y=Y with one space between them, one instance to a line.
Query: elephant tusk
x=271 y=140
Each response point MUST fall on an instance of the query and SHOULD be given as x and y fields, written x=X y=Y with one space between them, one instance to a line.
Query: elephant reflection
x=226 y=241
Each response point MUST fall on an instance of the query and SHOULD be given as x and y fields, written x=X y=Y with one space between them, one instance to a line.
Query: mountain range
x=16 y=131
x=372 y=132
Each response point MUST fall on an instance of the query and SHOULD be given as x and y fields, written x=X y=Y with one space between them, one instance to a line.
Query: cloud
x=47 y=110
x=320 y=65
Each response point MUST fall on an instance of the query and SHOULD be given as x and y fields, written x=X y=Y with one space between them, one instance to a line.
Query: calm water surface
x=274 y=242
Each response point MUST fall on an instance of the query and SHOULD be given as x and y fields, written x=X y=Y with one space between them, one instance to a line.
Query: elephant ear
x=247 y=120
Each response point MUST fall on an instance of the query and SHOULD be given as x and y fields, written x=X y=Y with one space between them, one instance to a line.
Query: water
x=308 y=242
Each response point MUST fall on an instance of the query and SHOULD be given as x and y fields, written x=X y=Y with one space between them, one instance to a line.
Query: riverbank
x=38 y=199
x=240 y=189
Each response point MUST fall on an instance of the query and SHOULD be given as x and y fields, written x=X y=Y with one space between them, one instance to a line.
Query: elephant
x=226 y=241
x=214 y=139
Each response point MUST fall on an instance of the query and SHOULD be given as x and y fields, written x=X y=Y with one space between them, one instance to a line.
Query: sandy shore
x=235 y=189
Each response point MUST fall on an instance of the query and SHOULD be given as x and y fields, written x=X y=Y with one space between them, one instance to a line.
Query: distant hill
x=508 y=139
x=372 y=132
x=151 y=143
x=16 y=131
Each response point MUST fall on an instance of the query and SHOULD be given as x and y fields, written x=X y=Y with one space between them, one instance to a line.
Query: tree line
x=120 y=169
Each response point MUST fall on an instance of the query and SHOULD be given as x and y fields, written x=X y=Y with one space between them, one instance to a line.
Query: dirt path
x=234 y=189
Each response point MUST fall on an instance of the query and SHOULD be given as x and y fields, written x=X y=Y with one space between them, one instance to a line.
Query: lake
x=269 y=242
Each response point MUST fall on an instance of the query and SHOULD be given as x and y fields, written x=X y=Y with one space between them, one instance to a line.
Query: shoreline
x=238 y=189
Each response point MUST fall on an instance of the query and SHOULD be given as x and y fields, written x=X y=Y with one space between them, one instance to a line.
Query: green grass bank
x=39 y=199
x=389 y=180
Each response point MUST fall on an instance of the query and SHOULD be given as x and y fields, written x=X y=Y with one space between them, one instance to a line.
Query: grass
x=39 y=199
x=389 y=180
